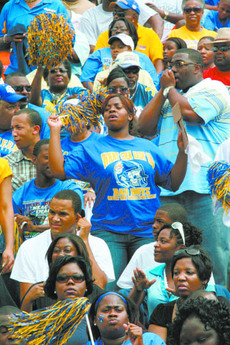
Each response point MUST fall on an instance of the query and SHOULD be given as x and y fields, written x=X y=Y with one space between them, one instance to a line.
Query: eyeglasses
x=115 y=89
x=196 y=9
x=180 y=64
x=222 y=49
x=120 y=14
x=134 y=70
x=55 y=70
x=20 y=88
x=119 y=29
x=189 y=251
x=64 y=278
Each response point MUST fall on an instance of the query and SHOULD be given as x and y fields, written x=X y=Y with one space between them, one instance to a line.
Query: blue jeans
x=216 y=236
x=122 y=248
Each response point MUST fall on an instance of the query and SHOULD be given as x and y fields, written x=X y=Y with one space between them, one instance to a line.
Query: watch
x=166 y=91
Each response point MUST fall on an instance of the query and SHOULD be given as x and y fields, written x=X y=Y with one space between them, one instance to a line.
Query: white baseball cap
x=125 y=39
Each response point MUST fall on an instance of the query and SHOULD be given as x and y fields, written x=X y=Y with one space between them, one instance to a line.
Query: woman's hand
x=140 y=280
x=14 y=38
x=36 y=291
x=135 y=333
x=54 y=122
x=7 y=260
x=89 y=198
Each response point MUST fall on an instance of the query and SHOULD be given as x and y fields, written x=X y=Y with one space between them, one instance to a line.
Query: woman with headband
x=111 y=318
x=153 y=283
x=191 y=270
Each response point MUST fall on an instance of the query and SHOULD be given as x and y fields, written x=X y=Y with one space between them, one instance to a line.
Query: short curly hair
x=214 y=314
x=50 y=284
x=202 y=261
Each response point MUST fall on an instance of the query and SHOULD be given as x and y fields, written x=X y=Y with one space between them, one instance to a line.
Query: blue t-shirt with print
x=125 y=175
x=33 y=202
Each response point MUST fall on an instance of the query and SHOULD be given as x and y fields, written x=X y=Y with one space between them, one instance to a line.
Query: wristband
x=4 y=39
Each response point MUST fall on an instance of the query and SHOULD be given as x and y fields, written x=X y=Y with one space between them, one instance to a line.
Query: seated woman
x=191 y=270
x=64 y=244
x=69 y=278
x=118 y=82
x=101 y=59
x=201 y=321
x=206 y=51
x=111 y=317
x=192 y=31
x=154 y=283
x=57 y=79
x=170 y=46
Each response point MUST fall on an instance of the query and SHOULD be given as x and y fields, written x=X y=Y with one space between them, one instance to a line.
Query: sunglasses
x=64 y=278
x=114 y=89
x=196 y=9
x=21 y=88
x=134 y=70
x=180 y=64
x=189 y=251
x=55 y=70
x=115 y=29
x=222 y=49
x=120 y=14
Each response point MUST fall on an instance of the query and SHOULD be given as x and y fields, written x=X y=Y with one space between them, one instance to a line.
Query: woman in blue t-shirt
x=125 y=172
x=111 y=316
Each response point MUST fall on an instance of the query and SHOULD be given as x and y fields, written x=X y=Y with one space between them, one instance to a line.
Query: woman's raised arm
x=56 y=158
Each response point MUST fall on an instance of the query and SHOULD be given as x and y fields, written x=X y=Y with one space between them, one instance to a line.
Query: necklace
x=30 y=1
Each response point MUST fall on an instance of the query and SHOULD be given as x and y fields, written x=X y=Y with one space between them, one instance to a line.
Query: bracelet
x=166 y=15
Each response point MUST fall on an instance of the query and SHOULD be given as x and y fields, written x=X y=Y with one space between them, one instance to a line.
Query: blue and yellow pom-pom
x=50 y=39
x=53 y=325
x=219 y=183
x=89 y=108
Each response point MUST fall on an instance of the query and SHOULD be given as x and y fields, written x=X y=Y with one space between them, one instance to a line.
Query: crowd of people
x=108 y=225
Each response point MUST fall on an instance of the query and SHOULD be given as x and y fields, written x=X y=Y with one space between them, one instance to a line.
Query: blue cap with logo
x=127 y=5
x=8 y=94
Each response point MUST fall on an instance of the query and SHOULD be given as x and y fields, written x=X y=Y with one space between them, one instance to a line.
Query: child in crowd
x=220 y=18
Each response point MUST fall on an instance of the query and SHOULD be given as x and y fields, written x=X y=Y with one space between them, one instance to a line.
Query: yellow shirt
x=5 y=170
x=191 y=37
x=148 y=43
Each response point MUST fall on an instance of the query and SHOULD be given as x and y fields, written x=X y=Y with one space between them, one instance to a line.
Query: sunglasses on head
x=189 y=251
x=55 y=70
x=222 y=49
x=196 y=9
x=64 y=278
x=118 y=89
x=20 y=88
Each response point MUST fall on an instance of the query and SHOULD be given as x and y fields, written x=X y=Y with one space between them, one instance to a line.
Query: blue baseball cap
x=8 y=94
x=127 y=4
